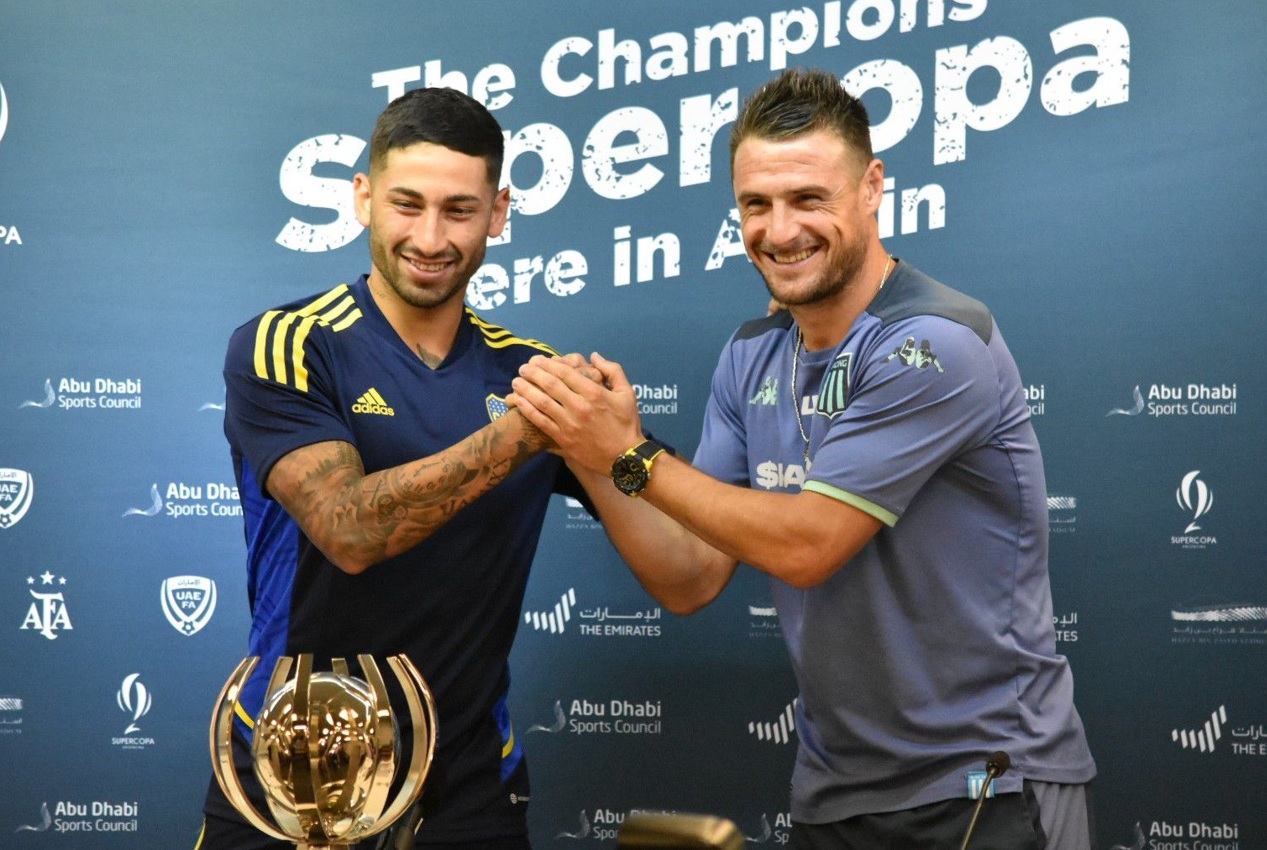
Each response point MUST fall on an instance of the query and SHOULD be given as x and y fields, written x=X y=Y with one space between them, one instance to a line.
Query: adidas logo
x=372 y=402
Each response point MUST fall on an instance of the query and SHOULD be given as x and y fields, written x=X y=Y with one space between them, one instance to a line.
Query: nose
x=783 y=228
x=428 y=234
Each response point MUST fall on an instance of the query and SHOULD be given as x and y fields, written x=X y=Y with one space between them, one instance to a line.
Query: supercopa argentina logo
x=1196 y=499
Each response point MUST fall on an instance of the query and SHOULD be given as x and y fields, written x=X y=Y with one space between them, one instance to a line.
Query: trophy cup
x=325 y=750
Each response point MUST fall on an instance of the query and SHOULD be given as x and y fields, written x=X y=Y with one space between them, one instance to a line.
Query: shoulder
x=913 y=295
x=763 y=328
x=499 y=339
x=277 y=343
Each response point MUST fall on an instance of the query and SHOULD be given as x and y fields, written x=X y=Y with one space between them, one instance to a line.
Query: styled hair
x=439 y=116
x=801 y=101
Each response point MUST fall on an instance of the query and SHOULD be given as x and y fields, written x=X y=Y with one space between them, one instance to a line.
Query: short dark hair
x=801 y=101
x=439 y=116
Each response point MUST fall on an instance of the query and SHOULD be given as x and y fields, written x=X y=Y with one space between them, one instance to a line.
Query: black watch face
x=629 y=474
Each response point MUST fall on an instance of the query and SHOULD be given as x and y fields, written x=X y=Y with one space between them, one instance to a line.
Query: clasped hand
x=588 y=408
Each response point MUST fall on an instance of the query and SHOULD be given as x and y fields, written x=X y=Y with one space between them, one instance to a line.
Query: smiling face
x=429 y=210
x=807 y=207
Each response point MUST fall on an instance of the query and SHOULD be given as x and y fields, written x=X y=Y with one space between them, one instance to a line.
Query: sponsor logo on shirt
x=769 y=392
x=372 y=402
x=833 y=395
x=921 y=356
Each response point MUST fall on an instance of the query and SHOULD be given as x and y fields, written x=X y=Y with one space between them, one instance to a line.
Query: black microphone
x=995 y=766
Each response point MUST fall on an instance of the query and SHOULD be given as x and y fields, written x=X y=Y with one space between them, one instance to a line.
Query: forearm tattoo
x=363 y=519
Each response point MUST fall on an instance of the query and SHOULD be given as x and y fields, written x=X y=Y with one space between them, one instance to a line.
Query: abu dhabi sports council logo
x=1195 y=497
x=1035 y=399
x=1134 y=410
x=188 y=602
x=92 y=816
x=1163 y=834
x=1166 y=400
x=17 y=489
x=48 y=613
x=89 y=394
x=656 y=399
x=780 y=730
x=601 y=825
x=780 y=833
x=181 y=500
x=605 y=717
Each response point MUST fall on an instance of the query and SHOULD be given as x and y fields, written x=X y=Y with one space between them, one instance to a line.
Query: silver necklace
x=796 y=359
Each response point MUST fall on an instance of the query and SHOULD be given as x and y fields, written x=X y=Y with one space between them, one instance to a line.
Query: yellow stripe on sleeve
x=261 y=343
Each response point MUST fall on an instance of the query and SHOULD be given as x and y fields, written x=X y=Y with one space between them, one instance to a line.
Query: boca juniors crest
x=188 y=602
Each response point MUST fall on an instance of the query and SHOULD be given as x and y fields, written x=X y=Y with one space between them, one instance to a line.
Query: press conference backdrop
x=1092 y=170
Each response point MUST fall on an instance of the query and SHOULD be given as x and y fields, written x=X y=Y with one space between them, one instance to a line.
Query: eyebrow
x=450 y=199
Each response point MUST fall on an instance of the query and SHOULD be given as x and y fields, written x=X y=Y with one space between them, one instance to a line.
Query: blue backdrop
x=1092 y=170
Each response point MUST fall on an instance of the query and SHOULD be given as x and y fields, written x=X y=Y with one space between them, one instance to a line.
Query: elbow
x=346 y=559
x=806 y=569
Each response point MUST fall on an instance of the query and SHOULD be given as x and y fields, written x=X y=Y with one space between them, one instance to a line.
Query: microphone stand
x=995 y=766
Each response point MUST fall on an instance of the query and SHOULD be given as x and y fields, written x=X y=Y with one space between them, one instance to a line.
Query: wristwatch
x=632 y=470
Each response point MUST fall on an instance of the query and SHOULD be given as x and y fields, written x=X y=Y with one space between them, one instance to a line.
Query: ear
x=871 y=186
x=361 y=198
x=501 y=210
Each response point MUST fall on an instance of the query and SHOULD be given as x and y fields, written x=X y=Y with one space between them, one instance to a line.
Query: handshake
x=587 y=410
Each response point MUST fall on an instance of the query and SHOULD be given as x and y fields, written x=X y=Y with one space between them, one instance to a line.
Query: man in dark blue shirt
x=392 y=501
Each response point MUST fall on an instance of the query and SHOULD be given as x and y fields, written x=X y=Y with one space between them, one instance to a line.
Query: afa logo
x=48 y=613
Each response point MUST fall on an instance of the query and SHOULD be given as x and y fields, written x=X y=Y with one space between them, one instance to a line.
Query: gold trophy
x=325 y=750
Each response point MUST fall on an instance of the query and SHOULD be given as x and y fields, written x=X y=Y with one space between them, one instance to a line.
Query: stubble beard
x=829 y=283
x=387 y=262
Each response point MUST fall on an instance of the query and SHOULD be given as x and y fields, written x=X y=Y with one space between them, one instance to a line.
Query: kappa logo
x=833 y=396
x=920 y=357
x=372 y=402
x=768 y=394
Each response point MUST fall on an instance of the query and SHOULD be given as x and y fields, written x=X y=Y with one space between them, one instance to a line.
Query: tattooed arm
x=358 y=520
